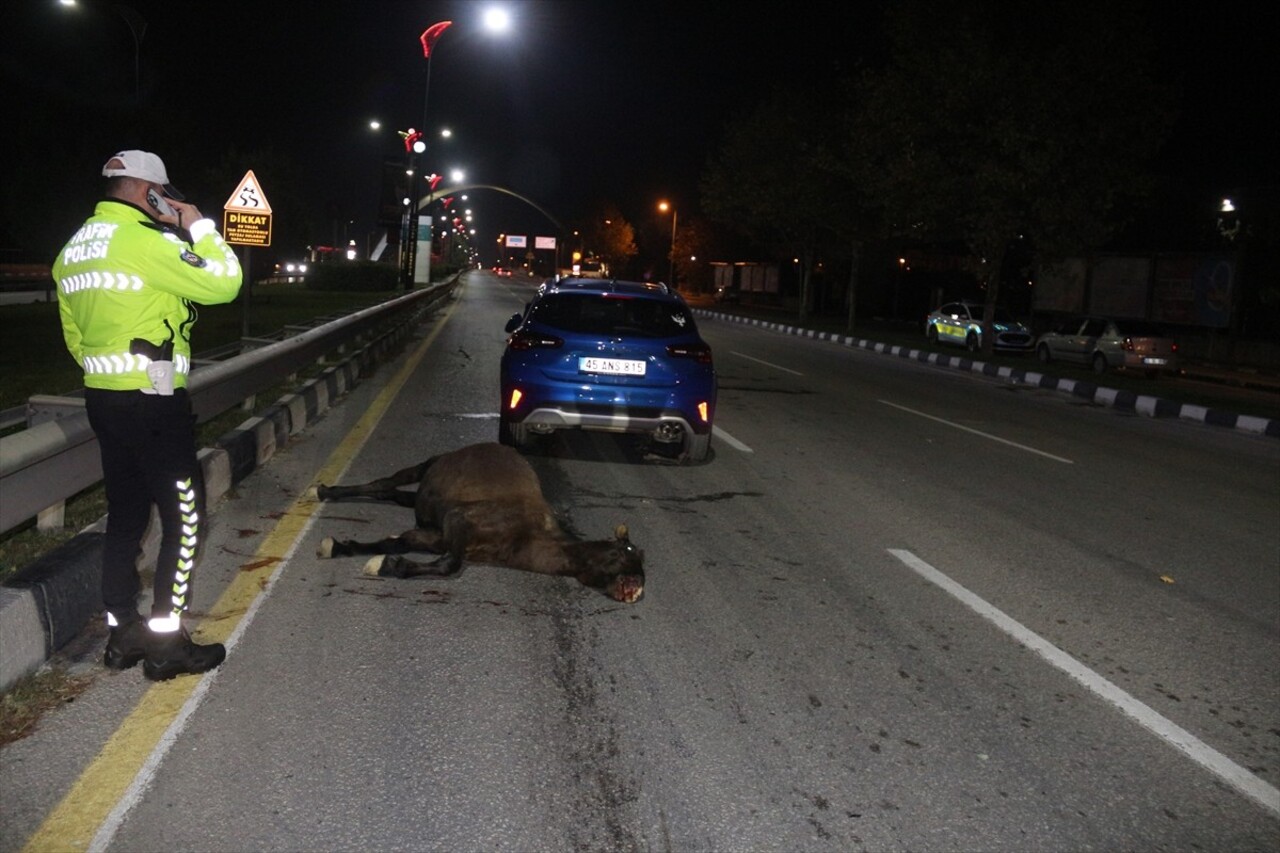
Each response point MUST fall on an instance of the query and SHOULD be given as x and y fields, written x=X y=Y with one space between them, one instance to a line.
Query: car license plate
x=615 y=366
x=1149 y=360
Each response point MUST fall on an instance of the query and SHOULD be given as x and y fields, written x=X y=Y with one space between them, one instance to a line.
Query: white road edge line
x=981 y=433
x=766 y=363
x=1184 y=741
x=730 y=440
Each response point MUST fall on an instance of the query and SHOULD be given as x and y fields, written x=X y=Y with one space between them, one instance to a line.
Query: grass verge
x=22 y=706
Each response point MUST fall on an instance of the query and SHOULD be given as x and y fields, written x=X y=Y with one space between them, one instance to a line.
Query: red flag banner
x=430 y=35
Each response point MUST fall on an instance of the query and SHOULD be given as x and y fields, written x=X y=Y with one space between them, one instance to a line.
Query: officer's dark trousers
x=148 y=458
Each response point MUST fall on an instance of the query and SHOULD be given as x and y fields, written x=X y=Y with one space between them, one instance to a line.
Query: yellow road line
x=74 y=822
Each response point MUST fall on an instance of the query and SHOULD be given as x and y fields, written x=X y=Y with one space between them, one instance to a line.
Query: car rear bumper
x=1135 y=361
x=552 y=418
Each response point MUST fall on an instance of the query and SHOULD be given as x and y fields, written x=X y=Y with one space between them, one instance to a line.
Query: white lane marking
x=1176 y=736
x=766 y=363
x=730 y=440
x=981 y=433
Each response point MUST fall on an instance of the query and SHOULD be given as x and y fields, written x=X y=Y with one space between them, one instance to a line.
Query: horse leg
x=452 y=541
x=384 y=489
x=395 y=566
x=416 y=539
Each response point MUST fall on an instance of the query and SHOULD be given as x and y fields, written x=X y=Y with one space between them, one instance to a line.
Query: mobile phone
x=161 y=206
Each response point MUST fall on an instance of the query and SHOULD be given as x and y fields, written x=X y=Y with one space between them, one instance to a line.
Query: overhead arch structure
x=448 y=191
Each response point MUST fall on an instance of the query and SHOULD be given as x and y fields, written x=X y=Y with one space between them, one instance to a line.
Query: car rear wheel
x=1099 y=363
x=512 y=434
x=971 y=343
x=932 y=334
x=697 y=447
x=1042 y=353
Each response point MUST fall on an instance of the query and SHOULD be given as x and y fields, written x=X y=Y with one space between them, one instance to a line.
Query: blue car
x=614 y=356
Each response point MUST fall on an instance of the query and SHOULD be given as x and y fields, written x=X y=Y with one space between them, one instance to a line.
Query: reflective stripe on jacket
x=123 y=276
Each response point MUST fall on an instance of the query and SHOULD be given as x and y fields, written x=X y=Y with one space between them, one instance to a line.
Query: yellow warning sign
x=249 y=196
x=242 y=228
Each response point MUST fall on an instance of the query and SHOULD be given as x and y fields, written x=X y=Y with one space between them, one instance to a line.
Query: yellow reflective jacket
x=123 y=276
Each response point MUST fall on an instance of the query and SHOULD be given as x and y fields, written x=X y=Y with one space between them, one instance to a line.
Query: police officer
x=128 y=282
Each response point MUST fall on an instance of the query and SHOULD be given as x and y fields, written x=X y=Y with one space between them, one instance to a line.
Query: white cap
x=143 y=165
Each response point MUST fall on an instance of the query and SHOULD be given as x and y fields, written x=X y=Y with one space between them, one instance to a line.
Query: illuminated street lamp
x=409 y=254
x=137 y=28
x=664 y=207
x=495 y=19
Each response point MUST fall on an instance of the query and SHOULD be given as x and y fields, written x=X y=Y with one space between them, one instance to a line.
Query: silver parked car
x=961 y=323
x=1105 y=343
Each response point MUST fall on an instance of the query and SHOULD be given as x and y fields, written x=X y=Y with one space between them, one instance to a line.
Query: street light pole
x=428 y=39
x=664 y=206
x=137 y=28
x=413 y=144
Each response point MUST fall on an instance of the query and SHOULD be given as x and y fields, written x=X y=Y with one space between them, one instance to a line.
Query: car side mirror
x=514 y=322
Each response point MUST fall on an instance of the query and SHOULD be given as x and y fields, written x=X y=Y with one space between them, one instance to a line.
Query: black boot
x=126 y=644
x=175 y=654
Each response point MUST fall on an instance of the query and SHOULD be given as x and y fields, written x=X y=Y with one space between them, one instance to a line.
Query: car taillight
x=533 y=340
x=700 y=353
x=1128 y=344
x=1173 y=347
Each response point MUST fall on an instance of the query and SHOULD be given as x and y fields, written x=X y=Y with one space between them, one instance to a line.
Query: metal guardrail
x=57 y=456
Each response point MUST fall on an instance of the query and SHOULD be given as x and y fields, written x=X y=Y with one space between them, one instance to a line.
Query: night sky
x=580 y=103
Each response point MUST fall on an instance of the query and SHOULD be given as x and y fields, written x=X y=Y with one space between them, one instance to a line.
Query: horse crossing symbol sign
x=246 y=217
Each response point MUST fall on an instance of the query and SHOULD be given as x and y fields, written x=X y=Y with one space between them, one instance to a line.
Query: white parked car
x=1105 y=343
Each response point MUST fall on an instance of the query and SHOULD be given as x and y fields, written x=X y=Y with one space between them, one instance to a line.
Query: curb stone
x=1124 y=400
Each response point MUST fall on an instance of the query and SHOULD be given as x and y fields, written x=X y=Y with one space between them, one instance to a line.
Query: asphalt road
x=902 y=607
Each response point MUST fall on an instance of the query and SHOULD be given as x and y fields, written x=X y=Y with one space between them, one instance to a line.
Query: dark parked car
x=961 y=323
x=1106 y=343
x=614 y=356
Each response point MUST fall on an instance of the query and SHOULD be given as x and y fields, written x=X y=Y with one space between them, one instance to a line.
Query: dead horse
x=483 y=503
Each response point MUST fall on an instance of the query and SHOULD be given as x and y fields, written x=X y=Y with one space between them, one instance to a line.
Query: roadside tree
x=992 y=123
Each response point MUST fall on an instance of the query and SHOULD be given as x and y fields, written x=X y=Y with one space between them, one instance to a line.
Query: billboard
x=1193 y=289
x=1060 y=286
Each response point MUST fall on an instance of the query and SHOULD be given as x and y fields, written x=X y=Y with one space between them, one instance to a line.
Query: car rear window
x=614 y=315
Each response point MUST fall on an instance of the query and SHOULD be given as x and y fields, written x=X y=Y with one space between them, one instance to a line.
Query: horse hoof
x=313 y=494
x=374 y=566
x=326 y=547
